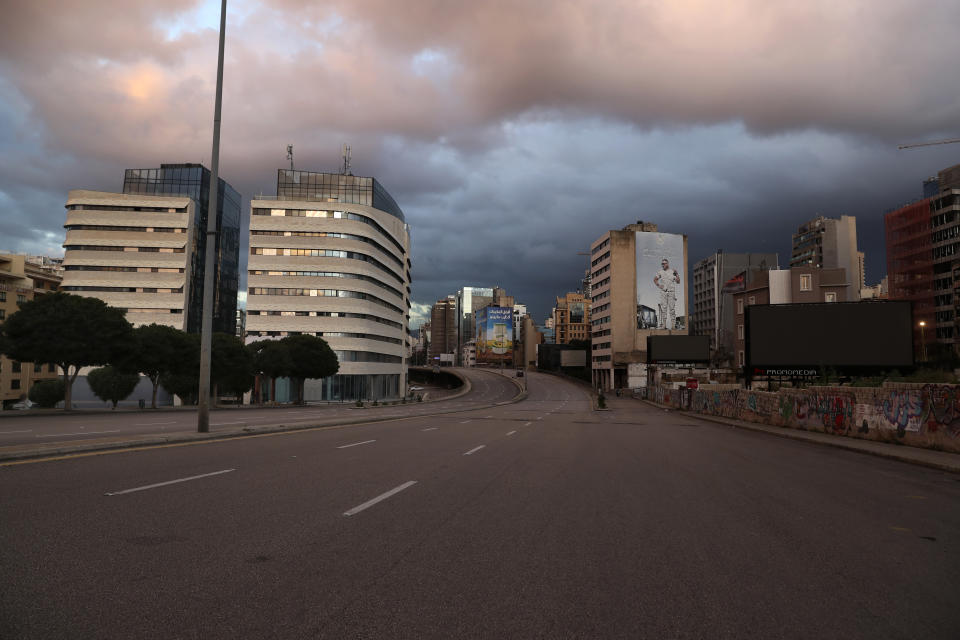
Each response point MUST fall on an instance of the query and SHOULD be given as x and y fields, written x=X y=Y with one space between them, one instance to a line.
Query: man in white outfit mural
x=667 y=280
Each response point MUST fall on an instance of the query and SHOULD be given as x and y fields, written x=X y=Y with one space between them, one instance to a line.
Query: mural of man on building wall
x=667 y=280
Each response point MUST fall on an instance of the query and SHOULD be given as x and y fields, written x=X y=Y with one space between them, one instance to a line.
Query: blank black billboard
x=678 y=349
x=833 y=334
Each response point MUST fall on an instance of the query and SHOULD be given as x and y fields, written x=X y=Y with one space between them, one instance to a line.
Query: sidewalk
x=942 y=460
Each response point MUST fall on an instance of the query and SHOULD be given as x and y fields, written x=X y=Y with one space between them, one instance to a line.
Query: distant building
x=469 y=300
x=571 y=318
x=831 y=243
x=22 y=278
x=923 y=258
x=330 y=257
x=443 y=328
x=715 y=279
x=639 y=285
x=786 y=286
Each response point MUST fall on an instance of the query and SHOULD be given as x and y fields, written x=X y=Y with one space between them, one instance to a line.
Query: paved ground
x=56 y=429
x=540 y=519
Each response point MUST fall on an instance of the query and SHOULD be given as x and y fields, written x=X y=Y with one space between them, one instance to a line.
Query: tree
x=184 y=381
x=271 y=358
x=162 y=351
x=231 y=365
x=70 y=331
x=310 y=357
x=47 y=393
x=110 y=384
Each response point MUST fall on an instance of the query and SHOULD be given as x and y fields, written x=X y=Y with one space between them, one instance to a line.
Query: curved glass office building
x=329 y=256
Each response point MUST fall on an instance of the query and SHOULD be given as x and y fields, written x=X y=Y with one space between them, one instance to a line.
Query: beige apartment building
x=786 y=286
x=134 y=252
x=21 y=279
x=330 y=256
x=571 y=318
x=639 y=288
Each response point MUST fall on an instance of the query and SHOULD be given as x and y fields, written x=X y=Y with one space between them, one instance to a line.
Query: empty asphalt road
x=540 y=519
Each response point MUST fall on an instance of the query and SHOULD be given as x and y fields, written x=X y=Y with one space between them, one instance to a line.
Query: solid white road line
x=527 y=424
x=510 y=433
x=217 y=424
x=474 y=450
x=79 y=433
x=356 y=444
x=540 y=418
x=464 y=421
x=151 y=424
x=24 y=431
x=379 y=498
x=429 y=429
x=163 y=484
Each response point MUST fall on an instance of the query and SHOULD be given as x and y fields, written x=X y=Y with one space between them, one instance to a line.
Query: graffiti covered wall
x=921 y=415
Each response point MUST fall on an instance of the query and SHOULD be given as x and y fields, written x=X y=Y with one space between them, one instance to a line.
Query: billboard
x=577 y=312
x=678 y=349
x=661 y=294
x=785 y=339
x=494 y=334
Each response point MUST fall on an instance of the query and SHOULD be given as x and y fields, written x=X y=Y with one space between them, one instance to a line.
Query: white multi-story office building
x=330 y=256
x=134 y=252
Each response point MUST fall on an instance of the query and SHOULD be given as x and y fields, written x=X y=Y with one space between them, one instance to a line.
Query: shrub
x=47 y=393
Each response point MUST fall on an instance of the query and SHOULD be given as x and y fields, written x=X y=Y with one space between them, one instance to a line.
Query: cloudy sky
x=512 y=133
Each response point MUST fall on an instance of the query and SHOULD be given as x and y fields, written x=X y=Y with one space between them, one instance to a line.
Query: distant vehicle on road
x=416 y=388
x=519 y=373
x=23 y=405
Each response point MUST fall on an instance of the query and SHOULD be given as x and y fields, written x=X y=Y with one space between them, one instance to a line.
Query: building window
x=16 y=367
x=740 y=358
x=739 y=332
x=3 y=296
x=740 y=306
x=830 y=296
x=37 y=368
x=3 y=314
x=806 y=282
x=52 y=368
x=21 y=298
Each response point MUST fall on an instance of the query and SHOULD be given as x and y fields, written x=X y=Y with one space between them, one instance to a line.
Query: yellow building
x=22 y=278
x=571 y=318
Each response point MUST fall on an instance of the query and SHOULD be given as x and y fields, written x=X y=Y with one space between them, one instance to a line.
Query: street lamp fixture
x=923 y=342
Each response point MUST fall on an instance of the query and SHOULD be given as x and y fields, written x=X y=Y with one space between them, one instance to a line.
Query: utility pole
x=206 y=325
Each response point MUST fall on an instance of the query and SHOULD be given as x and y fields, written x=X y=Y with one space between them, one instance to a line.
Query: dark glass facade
x=335 y=187
x=193 y=180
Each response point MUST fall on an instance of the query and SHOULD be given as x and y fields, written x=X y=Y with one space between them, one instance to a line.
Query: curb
x=795 y=434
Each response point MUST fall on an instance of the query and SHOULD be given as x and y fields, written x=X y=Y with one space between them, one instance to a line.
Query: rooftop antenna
x=290 y=155
x=346 y=161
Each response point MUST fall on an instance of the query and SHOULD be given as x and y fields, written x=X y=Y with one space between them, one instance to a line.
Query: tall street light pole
x=206 y=325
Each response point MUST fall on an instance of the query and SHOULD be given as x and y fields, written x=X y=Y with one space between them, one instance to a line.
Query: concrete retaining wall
x=923 y=415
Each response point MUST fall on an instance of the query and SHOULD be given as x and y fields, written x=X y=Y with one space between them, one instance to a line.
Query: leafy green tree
x=184 y=381
x=70 y=331
x=162 y=351
x=47 y=393
x=231 y=365
x=112 y=385
x=310 y=357
x=271 y=359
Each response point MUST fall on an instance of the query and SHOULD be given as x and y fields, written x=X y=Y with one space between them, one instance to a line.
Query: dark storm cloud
x=511 y=133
